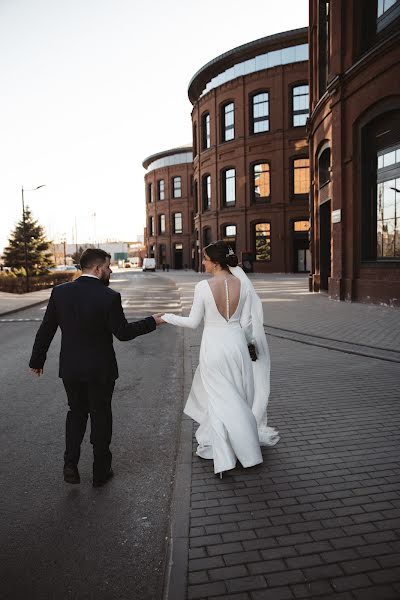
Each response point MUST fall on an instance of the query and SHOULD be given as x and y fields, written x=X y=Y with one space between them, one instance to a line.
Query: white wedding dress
x=229 y=393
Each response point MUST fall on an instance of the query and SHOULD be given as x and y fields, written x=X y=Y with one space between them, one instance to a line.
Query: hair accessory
x=230 y=252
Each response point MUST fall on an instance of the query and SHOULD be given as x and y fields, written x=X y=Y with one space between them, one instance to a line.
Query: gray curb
x=175 y=578
x=21 y=308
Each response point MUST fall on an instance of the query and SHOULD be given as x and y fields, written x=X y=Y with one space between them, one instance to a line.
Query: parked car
x=149 y=264
x=127 y=264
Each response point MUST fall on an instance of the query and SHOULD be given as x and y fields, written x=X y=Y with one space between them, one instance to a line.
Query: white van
x=149 y=264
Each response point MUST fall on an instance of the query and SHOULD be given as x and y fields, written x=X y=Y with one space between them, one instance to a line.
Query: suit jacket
x=88 y=313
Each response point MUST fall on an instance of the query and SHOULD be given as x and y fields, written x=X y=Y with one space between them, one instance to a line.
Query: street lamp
x=24 y=231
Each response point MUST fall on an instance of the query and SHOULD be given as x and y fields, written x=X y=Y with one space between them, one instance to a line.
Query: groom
x=88 y=313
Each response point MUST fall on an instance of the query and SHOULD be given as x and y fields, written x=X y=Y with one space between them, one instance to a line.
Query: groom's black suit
x=88 y=313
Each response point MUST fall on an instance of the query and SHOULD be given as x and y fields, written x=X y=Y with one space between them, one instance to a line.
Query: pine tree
x=39 y=256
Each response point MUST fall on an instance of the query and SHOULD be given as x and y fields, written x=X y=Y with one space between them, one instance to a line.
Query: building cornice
x=241 y=53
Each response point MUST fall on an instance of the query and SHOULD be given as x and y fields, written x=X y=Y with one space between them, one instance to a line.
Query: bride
x=229 y=393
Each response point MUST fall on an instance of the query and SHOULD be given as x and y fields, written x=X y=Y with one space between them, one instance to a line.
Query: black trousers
x=94 y=399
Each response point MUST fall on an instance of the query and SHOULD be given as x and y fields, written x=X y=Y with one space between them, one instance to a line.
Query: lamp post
x=24 y=232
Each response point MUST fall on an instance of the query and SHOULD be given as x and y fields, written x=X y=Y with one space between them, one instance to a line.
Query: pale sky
x=89 y=88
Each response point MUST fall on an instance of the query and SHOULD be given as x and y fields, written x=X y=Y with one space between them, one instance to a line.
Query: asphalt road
x=60 y=541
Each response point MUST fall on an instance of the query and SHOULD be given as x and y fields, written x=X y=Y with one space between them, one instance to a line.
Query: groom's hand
x=37 y=372
x=158 y=318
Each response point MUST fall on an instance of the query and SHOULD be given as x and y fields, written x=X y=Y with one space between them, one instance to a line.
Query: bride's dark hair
x=220 y=252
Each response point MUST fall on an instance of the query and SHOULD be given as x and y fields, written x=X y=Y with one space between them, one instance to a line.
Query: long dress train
x=223 y=394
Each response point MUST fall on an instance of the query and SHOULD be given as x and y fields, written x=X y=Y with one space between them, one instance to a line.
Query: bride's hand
x=158 y=319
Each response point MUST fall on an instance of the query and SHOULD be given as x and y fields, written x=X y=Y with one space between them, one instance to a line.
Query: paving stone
x=237 y=558
x=312 y=589
x=227 y=548
x=378 y=592
x=280 y=593
x=285 y=578
x=227 y=572
x=266 y=566
x=350 y=582
x=205 y=590
x=249 y=583
x=209 y=562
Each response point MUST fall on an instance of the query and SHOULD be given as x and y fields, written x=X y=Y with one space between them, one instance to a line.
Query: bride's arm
x=245 y=319
x=196 y=313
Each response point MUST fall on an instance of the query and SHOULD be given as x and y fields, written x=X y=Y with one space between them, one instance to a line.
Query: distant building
x=247 y=180
x=169 y=207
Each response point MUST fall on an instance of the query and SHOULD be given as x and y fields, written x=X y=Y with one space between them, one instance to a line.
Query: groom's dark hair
x=92 y=257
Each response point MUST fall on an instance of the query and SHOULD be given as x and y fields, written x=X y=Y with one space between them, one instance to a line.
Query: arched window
x=262 y=241
x=149 y=192
x=229 y=235
x=300 y=105
x=324 y=167
x=162 y=254
x=380 y=188
x=194 y=139
x=261 y=182
x=228 y=182
x=151 y=225
x=227 y=122
x=177 y=187
x=207 y=236
x=178 y=223
x=300 y=177
x=161 y=224
x=206 y=192
x=161 y=189
x=205 y=131
x=259 y=121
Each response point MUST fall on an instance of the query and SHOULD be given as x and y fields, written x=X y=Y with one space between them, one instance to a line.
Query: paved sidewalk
x=320 y=518
x=10 y=303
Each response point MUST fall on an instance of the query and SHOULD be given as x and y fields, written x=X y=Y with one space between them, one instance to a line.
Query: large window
x=205 y=131
x=151 y=225
x=380 y=188
x=301 y=177
x=260 y=112
x=161 y=189
x=300 y=101
x=261 y=182
x=228 y=187
x=161 y=224
x=176 y=187
x=149 y=192
x=206 y=192
x=387 y=12
x=178 y=223
x=229 y=235
x=228 y=122
x=262 y=241
x=388 y=203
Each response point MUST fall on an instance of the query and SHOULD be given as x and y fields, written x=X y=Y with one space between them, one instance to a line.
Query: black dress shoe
x=71 y=474
x=100 y=482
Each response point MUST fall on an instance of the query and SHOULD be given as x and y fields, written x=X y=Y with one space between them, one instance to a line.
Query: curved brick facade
x=354 y=132
x=251 y=154
x=169 y=207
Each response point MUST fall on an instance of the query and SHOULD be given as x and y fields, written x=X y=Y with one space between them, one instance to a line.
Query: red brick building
x=354 y=134
x=251 y=165
x=169 y=207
